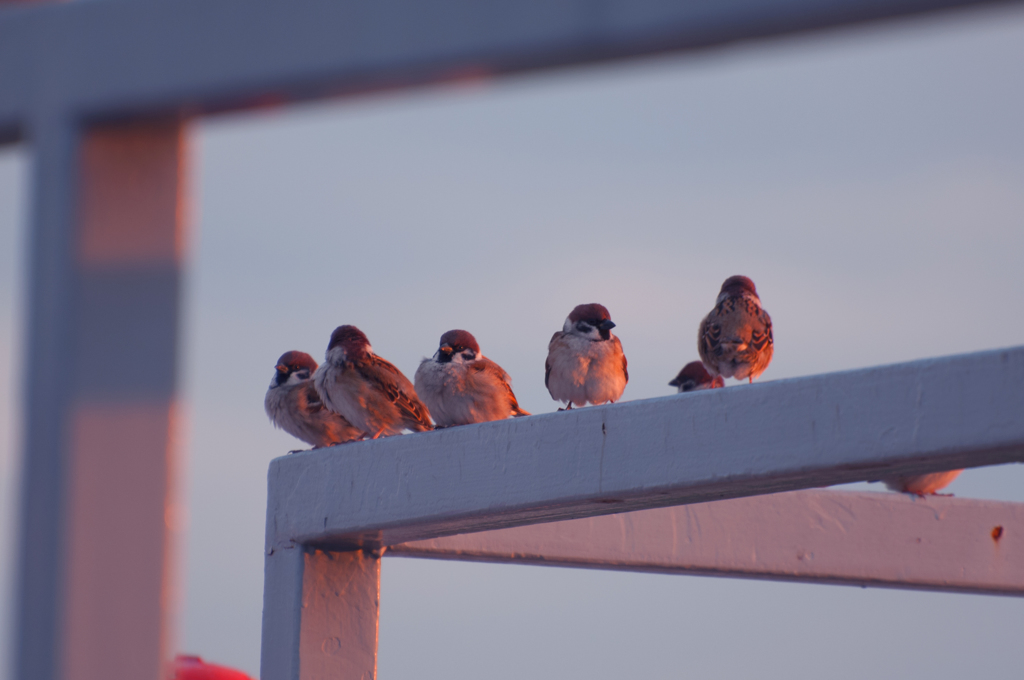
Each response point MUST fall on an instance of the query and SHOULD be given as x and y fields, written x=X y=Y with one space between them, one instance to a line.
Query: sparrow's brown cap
x=694 y=371
x=294 y=361
x=349 y=337
x=459 y=340
x=737 y=285
x=593 y=314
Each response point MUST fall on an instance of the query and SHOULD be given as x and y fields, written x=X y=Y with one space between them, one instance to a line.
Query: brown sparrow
x=294 y=406
x=461 y=386
x=735 y=338
x=922 y=485
x=585 y=361
x=367 y=390
x=694 y=376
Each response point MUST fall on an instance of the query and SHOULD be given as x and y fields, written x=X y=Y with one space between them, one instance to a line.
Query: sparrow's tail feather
x=517 y=411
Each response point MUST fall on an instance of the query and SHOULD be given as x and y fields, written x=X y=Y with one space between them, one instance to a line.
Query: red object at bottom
x=193 y=668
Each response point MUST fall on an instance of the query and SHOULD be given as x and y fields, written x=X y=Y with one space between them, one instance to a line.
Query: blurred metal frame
x=102 y=92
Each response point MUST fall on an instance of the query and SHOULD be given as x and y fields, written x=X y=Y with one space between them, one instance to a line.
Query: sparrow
x=694 y=376
x=735 y=338
x=461 y=386
x=367 y=390
x=585 y=361
x=293 y=405
x=922 y=485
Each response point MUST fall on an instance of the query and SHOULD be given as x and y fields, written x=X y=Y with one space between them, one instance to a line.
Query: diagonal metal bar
x=120 y=58
x=922 y=416
x=862 y=539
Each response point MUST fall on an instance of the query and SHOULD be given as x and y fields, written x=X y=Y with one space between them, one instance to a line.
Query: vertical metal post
x=320 y=615
x=107 y=249
x=50 y=285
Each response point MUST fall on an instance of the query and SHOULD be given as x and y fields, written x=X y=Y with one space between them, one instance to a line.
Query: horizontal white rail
x=922 y=416
x=106 y=59
x=864 y=539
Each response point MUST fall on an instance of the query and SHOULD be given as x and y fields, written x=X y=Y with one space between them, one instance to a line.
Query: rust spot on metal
x=997 y=533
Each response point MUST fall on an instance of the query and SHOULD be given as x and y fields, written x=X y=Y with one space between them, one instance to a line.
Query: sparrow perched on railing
x=694 y=376
x=367 y=390
x=922 y=485
x=294 y=406
x=461 y=386
x=735 y=338
x=585 y=361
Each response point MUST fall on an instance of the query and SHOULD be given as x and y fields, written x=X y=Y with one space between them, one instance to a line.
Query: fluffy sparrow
x=735 y=338
x=294 y=406
x=585 y=361
x=694 y=376
x=367 y=390
x=922 y=485
x=460 y=385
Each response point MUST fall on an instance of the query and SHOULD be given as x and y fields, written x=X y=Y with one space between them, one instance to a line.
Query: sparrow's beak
x=606 y=325
x=446 y=348
x=281 y=368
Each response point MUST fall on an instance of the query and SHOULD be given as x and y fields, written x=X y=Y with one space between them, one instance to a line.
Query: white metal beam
x=120 y=58
x=922 y=416
x=864 y=539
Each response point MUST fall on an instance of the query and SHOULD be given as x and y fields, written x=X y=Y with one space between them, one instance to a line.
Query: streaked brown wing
x=313 y=404
x=625 y=364
x=501 y=377
x=761 y=333
x=547 y=362
x=389 y=380
x=709 y=337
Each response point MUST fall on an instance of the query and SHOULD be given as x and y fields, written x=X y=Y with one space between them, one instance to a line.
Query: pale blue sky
x=870 y=181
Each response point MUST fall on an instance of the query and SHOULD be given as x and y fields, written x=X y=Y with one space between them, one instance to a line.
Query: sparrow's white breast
x=341 y=392
x=585 y=371
x=462 y=393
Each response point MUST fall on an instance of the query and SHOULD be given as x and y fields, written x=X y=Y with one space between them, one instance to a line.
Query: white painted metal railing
x=331 y=512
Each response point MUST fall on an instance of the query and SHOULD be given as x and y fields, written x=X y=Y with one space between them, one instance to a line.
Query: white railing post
x=107 y=249
x=320 y=613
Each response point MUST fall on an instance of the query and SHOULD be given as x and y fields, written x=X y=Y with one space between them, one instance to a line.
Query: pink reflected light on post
x=123 y=516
